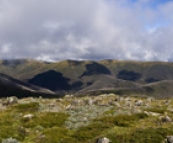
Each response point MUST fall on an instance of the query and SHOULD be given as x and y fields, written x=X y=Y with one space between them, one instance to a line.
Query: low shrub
x=149 y=135
x=28 y=107
x=122 y=119
x=90 y=131
x=56 y=135
x=46 y=120
x=8 y=131
x=156 y=109
x=10 y=140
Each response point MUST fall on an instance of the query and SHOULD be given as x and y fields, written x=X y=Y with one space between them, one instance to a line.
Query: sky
x=54 y=30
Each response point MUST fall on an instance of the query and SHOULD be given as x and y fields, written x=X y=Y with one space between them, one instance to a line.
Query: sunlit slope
x=72 y=76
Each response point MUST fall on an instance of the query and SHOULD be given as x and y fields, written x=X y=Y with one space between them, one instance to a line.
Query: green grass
x=148 y=135
x=49 y=127
x=122 y=120
x=9 y=126
x=45 y=120
x=56 y=135
x=160 y=110
x=91 y=131
x=12 y=123
x=27 y=107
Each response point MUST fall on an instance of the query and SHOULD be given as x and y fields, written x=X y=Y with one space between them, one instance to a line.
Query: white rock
x=103 y=140
x=30 y=116
x=138 y=103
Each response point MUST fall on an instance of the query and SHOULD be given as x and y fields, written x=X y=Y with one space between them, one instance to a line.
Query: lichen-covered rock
x=151 y=113
x=150 y=99
x=167 y=102
x=165 y=119
x=28 y=116
x=170 y=108
x=170 y=139
x=88 y=102
x=128 y=103
x=137 y=111
x=138 y=103
x=10 y=140
x=10 y=100
x=103 y=140
x=103 y=103
x=114 y=103
x=68 y=96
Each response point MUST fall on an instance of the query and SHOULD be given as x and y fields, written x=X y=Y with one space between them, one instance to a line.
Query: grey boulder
x=103 y=140
x=170 y=139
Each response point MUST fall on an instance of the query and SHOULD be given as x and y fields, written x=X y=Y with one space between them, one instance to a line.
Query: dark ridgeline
x=87 y=77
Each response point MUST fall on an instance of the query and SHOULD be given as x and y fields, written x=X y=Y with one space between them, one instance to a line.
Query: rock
x=113 y=97
x=165 y=119
x=104 y=96
x=164 y=141
x=68 y=107
x=167 y=102
x=81 y=119
x=170 y=108
x=111 y=94
x=114 y=103
x=127 y=99
x=68 y=96
x=137 y=111
x=75 y=102
x=89 y=102
x=10 y=140
x=151 y=113
x=128 y=103
x=147 y=105
x=170 y=139
x=150 y=99
x=10 y=100
x=121 y=99
x=138 y=103
x=103 y=103
x=29 y=116
x=103 y=140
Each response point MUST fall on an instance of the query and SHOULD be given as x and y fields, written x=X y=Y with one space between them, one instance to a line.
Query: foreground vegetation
x=83 y=120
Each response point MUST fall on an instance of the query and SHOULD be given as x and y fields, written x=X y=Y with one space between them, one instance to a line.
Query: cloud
x=58 y=29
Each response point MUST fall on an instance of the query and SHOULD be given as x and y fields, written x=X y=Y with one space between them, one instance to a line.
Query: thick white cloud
x=78 y=29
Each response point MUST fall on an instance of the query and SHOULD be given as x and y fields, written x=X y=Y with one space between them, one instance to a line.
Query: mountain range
x=28 y=77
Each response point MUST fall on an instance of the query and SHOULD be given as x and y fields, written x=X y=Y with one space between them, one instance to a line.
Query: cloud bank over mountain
x=75 y=29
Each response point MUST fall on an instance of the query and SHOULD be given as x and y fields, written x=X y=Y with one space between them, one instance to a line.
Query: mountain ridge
x=73 y=77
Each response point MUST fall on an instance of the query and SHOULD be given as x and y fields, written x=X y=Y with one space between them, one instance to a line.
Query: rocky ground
x=86 y=119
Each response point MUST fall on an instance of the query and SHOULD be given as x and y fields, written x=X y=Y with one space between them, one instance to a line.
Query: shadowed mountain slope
x=71 y=76
x=10 y=86
x=51 y=80
x=95 y=69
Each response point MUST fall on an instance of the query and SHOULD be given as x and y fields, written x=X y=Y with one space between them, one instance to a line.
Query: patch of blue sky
x=145 y=3
x=150 y=3
x=160 y=21
x=150 y=28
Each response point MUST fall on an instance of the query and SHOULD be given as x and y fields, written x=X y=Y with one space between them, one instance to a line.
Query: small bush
x=10 y=140
x=122 y=120
x=90 y=131
x=149 y=135
x=157 y=110
x=29 y=107
x=56 y=135
x=8 y=131
x=46 y=120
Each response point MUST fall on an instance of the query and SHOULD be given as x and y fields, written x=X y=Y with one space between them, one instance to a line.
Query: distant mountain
x=88 y=77
x=10 y=86
x=52 y=80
